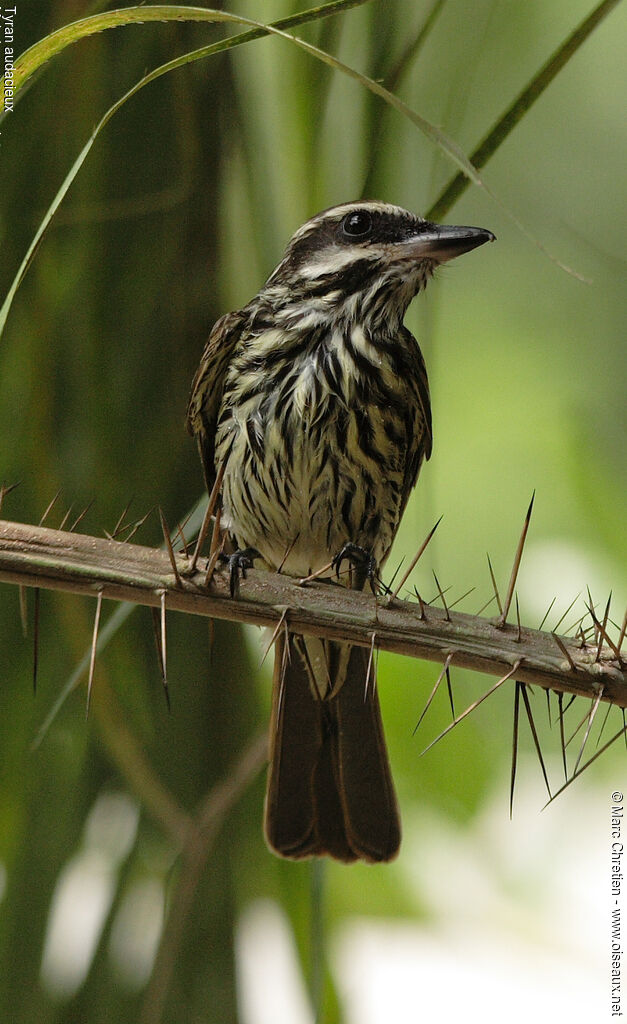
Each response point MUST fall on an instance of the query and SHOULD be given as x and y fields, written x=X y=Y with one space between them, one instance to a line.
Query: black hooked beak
x=442 y=242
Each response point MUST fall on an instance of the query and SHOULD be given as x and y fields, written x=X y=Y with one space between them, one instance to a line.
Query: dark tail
x=330 y=789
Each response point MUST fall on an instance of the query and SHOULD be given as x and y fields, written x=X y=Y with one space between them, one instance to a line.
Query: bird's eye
x=357 y=224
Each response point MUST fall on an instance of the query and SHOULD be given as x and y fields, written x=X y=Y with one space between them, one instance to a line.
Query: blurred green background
x=182 y=209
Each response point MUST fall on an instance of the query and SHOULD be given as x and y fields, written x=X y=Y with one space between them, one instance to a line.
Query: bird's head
x=368 y=258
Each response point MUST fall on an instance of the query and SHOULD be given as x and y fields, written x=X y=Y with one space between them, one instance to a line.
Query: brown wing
x=208 y=385
x=418 y=424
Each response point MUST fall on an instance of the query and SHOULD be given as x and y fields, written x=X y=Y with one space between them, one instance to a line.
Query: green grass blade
x=42 y=51
x=435 y=134
x=468 y=170
x=508 y=121
x=206 y=51
x=404 y=62
x=37 y=55
x=43 y=227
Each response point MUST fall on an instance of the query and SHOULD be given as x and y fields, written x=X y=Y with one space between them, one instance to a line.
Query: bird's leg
x=238 y=563
x=364 y=563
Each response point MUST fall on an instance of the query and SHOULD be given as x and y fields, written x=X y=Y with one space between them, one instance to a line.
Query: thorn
x=579 y=628
x=288 y=552
x=211 y=504
x=6 y=489
x=155 y=628
x=607 y=714
x=164 y=652
x=591 y=608
x=460 y=599
x=274 y=635
x=168 y=544
x=437 y=594
x=602 y=627
x=396 y=572
x=610 y=642
x=560 y=705
x=215 y=533
x=519 y=633
x=623 y=630
x=318 y=693
x=516 y=565
x=514 y=748
x=571 y=605
x=449 y=658
x=202 y=535
x=92 y=657
x=496 y=589
x=548 y=707
x=285 y=661
x=441 y=593
x=503 y=679
x=572 y=736
x=287 y=637
x=593 y=710
x=450 y=690
x=23 y=610
x=414 y=562
x=532 y=726
x=35 y=639
x=621 y=732
x=564 y=651
x=118 y=526
x=159 y=632
x=423 y=609
x=601 y=631
x=49 y=508
x=599 y=626
x=179 y=530
x=546 y=614
x=81 y=516
x=65 y=518
x=487 y=604
x=369 y=669
x=579 y=633
x=316 y=574
x=214 y=556
x=136 y=526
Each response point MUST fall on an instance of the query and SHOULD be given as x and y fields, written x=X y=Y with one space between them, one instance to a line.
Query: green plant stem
x=508 y=121
x=41 y=52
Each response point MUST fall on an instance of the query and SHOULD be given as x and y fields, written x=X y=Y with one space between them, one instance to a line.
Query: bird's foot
x=363 y=562
x=237 y=564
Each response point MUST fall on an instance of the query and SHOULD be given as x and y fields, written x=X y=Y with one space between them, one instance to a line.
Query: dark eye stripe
x=353 y=278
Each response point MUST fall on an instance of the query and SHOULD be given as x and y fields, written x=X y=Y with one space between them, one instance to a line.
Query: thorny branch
x=53 y=559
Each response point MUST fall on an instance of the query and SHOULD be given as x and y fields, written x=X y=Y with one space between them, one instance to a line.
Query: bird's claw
x=364 y=563
x=237 y=564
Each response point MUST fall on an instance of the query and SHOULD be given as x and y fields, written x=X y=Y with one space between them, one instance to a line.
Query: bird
x=312 y=403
